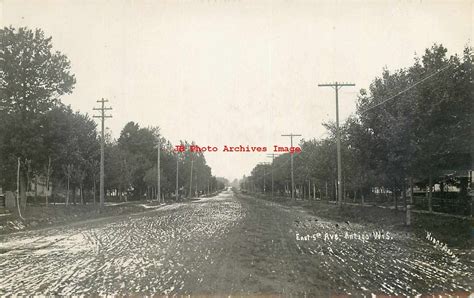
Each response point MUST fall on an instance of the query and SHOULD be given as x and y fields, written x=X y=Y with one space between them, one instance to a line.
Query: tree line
x=53 y=146
x=131 y=166
x=412 y=127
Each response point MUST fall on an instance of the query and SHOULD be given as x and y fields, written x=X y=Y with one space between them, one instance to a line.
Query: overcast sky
x=235 y=72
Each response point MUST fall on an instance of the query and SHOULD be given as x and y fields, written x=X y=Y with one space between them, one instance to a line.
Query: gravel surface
x=229 y=244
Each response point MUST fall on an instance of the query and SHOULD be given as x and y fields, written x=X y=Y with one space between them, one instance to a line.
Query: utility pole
x=177 y=173
x=263 y=164
x=196 y=179
x=158 y=166
x=336 y=87
x=272 y=156
x=102 y=116
x=191 y=176
x=291 y=135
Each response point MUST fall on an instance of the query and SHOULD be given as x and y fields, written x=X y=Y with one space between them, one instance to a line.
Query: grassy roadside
x=456 y=232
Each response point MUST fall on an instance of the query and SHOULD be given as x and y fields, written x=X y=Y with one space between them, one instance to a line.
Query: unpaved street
x=229 y=244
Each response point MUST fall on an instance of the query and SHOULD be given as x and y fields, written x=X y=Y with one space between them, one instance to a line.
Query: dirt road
x=229 y=244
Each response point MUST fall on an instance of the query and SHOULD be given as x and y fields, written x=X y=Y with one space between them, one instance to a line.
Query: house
x=39 y=188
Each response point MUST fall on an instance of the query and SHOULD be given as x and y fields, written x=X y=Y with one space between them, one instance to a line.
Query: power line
x=273 y=168
x=406 y=89
x=281 y=165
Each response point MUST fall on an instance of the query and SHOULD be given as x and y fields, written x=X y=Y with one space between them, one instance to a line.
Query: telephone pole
x=291 y=135
x=272 y=156
x=177 y=173
x=197 y=185
x=102 y=109
x=263 y=164
x=158 y=166
x=336 y=87
x=191 y=176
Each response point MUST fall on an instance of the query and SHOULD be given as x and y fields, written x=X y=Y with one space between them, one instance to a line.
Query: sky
x=229 y=72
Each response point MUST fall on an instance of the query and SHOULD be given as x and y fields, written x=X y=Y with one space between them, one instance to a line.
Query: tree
x=410 y=123
x=138 y=148
x=70 y=139
x=32 y=78
x=426 y=130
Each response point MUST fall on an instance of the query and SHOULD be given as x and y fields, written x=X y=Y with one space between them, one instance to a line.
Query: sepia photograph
x=237 y=148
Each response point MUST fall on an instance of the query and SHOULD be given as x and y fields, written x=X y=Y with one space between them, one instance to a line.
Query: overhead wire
x=407 y=89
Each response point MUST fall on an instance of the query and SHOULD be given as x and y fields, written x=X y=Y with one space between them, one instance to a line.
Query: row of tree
x=131 y=166
x=51 y=145
x=413 y=126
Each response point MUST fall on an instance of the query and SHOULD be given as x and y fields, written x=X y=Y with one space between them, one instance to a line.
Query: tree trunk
x=404 y=195
x=395 y=200
x=23 y=188
x=327 y=191
x=309 y=190
x=74 y=195
x=36 y=188
x=344 y=189
x=94 y=191
x=67 y=194
x=48 y=174
x=82 y=195
x=28 y=178
x=17 y=193
x=430 y=193
x=410 y=203
x=46 y=199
